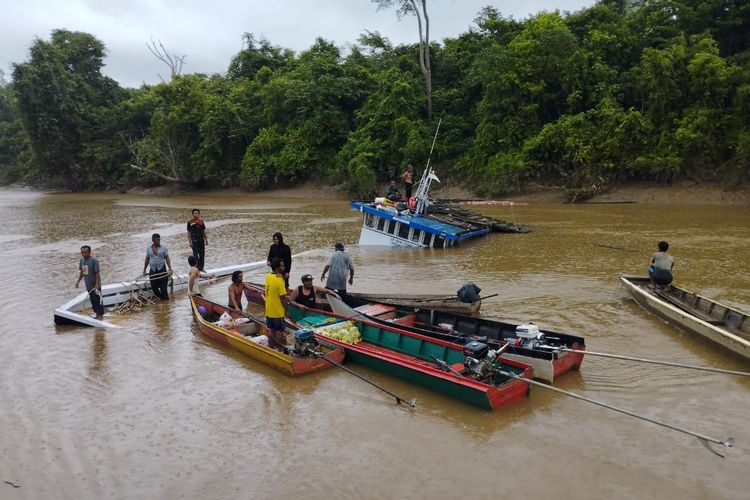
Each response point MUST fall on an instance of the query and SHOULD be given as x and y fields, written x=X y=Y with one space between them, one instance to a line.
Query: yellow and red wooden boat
x=298 y=362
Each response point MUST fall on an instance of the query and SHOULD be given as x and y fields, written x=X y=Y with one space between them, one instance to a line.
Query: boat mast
x=424 y=183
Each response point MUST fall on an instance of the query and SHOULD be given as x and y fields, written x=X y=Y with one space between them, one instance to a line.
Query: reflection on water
x=139 y=412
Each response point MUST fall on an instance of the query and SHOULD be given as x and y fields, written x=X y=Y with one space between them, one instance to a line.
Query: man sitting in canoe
x=304 y=295
x=660 y=270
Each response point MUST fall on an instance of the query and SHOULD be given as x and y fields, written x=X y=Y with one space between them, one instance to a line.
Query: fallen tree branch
x=157 y=174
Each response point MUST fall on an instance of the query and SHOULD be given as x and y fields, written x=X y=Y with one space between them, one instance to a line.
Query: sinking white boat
x=74 y=312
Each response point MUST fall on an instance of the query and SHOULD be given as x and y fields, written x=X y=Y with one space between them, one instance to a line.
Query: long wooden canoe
x=693 y=313
x=548 y=363
x=233 y=338
x=75 y=311
x=448 y=304
x=415 y=358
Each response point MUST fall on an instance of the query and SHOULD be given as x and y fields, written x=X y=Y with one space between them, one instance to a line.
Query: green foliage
x=14 y=148
x=654 y=90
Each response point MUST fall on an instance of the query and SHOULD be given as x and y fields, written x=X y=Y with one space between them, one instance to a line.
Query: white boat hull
x=116 y=293
x=370 y=236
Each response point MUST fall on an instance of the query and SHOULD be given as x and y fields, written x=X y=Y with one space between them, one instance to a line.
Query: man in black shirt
x=281 y=250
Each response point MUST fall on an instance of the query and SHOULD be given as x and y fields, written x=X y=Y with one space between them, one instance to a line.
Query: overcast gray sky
x=210 y=33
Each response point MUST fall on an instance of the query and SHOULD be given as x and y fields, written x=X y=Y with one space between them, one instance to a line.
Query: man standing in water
x=157 y=261
x=276 y=302
x=339 y=263
x=88 y=270
x=194 y=275
x=197 y=237
x=281 y=250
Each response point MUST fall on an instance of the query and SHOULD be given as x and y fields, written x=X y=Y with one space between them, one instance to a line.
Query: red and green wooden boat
x=540 y=350
x=526 y=343
x=298 y=362
x=470 y=373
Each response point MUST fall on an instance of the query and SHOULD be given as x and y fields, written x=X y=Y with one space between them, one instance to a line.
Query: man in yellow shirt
x=276 y=302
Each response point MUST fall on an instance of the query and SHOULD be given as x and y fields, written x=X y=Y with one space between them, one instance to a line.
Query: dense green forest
x=655 y=90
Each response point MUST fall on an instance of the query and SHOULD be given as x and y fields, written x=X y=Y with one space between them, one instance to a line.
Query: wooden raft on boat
x=239 y=339
x=451 y=213
x=448 y=304
x=419 y=359
x=694 y=313
x=529 y=346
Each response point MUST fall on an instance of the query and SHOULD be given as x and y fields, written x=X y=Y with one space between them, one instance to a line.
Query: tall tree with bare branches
x=173 y=61
x=419 y=9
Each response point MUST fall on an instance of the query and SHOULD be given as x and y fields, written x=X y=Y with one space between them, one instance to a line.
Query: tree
x=173 y=61
x=58 y=93
x=419 y=9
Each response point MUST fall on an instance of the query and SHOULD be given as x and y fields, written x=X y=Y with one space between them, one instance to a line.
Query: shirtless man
x=194 y=274
x=235 y=290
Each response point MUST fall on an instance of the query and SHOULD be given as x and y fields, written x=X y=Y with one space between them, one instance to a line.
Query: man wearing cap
x=304 y=295
x=338 y=263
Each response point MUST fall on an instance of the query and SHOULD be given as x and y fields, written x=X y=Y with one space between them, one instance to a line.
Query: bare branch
x=173 y=61
x=157 y=174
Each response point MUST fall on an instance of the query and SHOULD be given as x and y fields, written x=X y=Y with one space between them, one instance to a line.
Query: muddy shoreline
x=685 y=192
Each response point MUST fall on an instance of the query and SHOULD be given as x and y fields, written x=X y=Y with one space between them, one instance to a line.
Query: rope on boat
x=727 y=443
x=137 y=299
x=653 y=361
x=399 y=400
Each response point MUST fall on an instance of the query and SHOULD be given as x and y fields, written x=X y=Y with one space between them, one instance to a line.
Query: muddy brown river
x=154 y=410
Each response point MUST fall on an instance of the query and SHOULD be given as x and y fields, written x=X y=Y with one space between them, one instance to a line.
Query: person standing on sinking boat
x=88 y=270
x=157 y=261
x=304 y=295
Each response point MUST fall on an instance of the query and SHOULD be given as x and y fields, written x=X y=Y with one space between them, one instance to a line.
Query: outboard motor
x=529 y=336
x=305 y=343
x=478 y=359
x=469 y=292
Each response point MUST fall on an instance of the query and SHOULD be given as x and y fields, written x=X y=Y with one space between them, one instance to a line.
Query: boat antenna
x=427 y=177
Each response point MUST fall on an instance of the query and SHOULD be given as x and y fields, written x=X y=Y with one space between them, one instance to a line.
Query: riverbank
x=686 y=192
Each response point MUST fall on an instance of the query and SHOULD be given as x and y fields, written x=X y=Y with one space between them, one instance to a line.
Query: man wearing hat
x=338 y=263
x=304 y=295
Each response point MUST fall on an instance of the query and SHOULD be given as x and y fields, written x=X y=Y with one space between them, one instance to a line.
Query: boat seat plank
x=687 y=308
x=375 y=309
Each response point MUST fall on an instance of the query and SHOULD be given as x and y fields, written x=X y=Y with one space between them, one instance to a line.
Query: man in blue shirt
x=157 y=260
x=88 y=270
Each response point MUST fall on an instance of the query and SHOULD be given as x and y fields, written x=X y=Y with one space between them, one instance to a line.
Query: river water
x=154 y=410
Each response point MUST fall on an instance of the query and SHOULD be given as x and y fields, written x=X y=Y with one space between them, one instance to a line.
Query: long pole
x=398 y=399
x=728 y=443
x=654 y=361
